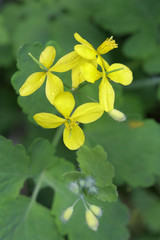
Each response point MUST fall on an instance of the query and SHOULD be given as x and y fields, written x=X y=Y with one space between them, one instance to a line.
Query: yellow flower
x=75 y=62
x=84 y=59
x=87 y=51
x=73 y=135
x=54 y=84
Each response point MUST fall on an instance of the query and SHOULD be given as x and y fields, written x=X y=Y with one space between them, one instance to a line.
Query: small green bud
x=82 y=183
x=91 y=220
x=117 y=115
x=93 y=190
x=89 y=182
x=74 y=187
x=66 y=215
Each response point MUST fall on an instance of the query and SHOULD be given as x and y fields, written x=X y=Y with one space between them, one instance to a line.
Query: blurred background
x=134 y=25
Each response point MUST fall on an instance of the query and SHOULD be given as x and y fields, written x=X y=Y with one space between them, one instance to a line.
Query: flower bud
x=82 y=183
x=89 y=182
x=91 y=220
x=96 y=210
x=117 y=115
x=74 y=187
x=66 y=215
x=93 y=190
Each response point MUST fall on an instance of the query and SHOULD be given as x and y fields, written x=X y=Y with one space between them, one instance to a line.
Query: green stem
x=115 y=70
x=40 y=64
x=93 y=100
x=83 y=201
x=35 y=193
x=57 y=136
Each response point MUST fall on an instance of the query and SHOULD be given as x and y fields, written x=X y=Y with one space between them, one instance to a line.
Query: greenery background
x=132 y=146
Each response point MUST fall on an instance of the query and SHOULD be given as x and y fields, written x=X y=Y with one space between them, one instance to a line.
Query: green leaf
x=73 y=176
x=141 y=45
x=148 y=206
x=108 y=193
x=62 y=166
x=128 y=21
x=152 y=64
x=115 y=216
x=146 y=237
x=14 y=165
x=68 y=25
x=42 y=156
x=93 y=162
x=4 y=40
x=21 y=220
x=132 y=147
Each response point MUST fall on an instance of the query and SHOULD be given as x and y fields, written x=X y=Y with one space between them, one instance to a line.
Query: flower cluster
x=84 y=63
x=92 y=212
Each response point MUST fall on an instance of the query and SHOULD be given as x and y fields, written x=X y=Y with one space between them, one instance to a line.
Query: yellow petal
x=106 y=95
x=85 y=52
x=107 y=46
x=54 y=86
x=48 y=120
x=32 y=83
x=105 y=64
x=87 y=113
x=90 y=73
x=73 y=137
x=123 y=76
x=77 y=77
x=66 y=62
x=47 y=56
x=82 y=40
x=64 y=102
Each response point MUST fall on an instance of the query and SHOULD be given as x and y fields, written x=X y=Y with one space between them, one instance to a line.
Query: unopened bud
x=89 y=182
x=93 y=190
x=82 y=182
x=91 y=220
x=117 y=115
x=74 y=187
x=96 y=210
x=66 y=215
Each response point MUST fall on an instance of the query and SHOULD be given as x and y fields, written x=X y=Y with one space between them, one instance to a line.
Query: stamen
x=107 y=46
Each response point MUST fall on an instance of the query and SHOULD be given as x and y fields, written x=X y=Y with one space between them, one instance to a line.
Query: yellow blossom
x=54 y=84
x=73 y=135
x=87 y=51
x=75 y=62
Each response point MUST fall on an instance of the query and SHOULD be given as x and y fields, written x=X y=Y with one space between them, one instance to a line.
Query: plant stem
x=40 y=64
x=115 y=70
x=35 y=193
x=57 y=136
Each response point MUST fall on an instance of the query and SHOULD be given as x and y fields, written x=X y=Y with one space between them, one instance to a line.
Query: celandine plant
x=83 y=193
x=83 y=63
